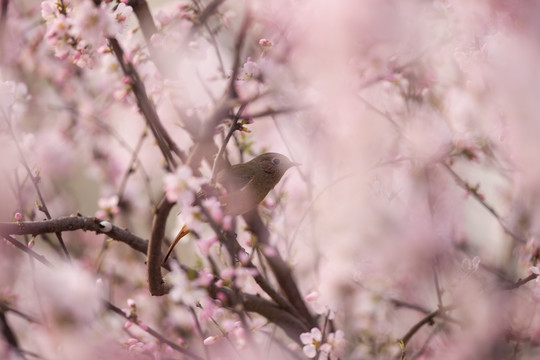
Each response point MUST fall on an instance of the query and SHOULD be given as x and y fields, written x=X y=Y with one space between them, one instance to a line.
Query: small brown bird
x=247 y=185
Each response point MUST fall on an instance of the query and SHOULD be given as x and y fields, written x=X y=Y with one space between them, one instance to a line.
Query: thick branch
x=3 y=20
x=234 y=248
x=164 y=141
x=146 y=21
x=9 y=335
x=155 y=282
x=73 y=223
x=253 y=303
x=208 y=11
x=148 y=28
x=279 y=267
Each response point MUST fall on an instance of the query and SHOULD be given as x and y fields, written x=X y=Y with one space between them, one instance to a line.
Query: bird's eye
x=275 y=161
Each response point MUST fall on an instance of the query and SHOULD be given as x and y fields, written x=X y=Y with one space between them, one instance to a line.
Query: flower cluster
x=332 y=348
x=77 y=29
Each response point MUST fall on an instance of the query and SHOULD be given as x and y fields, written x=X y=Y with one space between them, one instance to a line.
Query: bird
x=246 y=186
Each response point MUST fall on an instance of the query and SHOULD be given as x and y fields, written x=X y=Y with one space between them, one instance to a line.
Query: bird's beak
x=295 y=164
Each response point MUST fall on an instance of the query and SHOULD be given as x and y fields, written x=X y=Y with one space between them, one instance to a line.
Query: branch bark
x=155 y=281
x=164 y=141
x=73 y=223
x=279 y=267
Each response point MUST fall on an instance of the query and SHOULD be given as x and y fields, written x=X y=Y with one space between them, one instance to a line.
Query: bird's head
x=273 y=166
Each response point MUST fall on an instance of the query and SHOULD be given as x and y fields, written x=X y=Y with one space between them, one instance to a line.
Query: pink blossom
x=136 y=346
x=183 y=289
x=210 y=340
x=265 y=43
x=311 y=341
x=205 y=277
x=208 y=309
x=131 y=341
x=122 y=12
x=227 y=223
x=243 y=276
x=181 y=186
x=243 y=257
x=108 y=205
x=49 y=10
x=204 y=245
x=334 y=347
x=249 y=70
x=221 y=296
x=227 y=273
x=312 y=296
x=213 y=206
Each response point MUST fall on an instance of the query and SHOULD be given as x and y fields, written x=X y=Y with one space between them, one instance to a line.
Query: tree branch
x=155 y=281
x=42 y=206
x=73 y=223
x=521 y=282
x=9 y=335
x=27 y=250
x=428 y=319
x=164 y=141
x=152 y=332
x=474 y=192
x=279 y=267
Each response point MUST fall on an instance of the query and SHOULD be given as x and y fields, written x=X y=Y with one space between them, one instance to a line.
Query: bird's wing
x=240 y=201
x=235 y=178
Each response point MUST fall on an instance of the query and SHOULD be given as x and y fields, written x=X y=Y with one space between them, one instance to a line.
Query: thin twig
x=134 y=160
x=6 y=308
x=430 y=337
x=437 y=288
x=272 y=112
x=239 y=44
x=201 y=332
x=428 y=319
x=234 y=127
x=27 y=250
x=152 y=332
x=474 y=192
x=208 y=11
x=9 y=335
x=216 y=47
x=521 y=282
x=35 y=181
x=399 y=303
x=205 y=147
x=130 y=150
